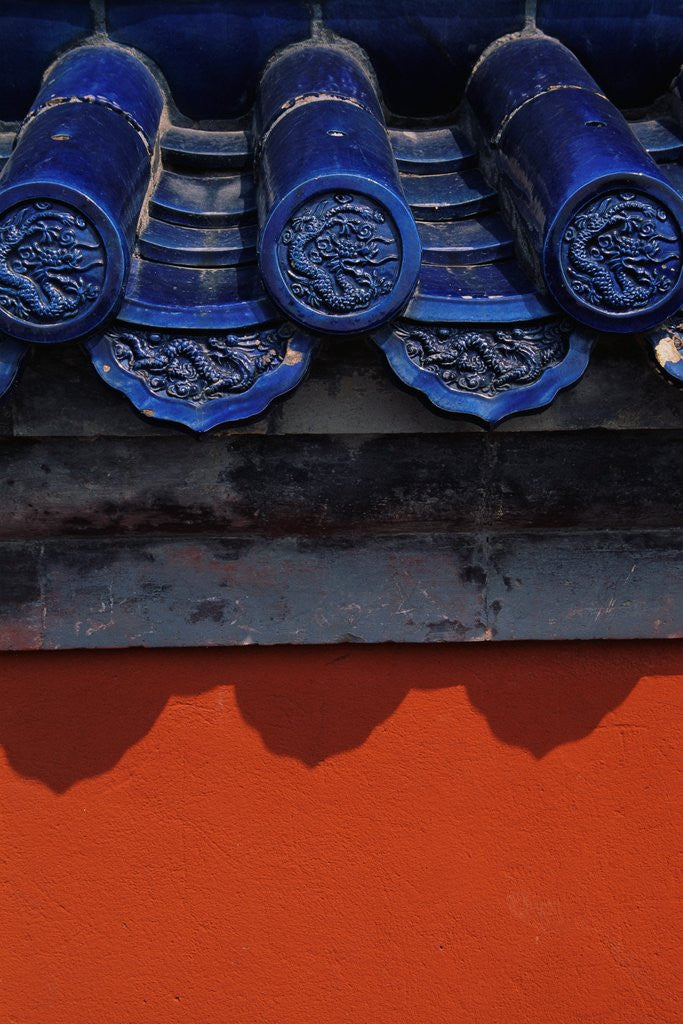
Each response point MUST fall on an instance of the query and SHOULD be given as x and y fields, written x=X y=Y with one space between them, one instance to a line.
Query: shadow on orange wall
x=66 y=716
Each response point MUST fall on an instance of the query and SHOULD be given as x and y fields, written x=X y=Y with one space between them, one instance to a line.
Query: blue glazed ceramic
x=661 y=136
x=202 y=379
x=215 y=298
x=194 y=281
x=187 y=148
x=487 y=371
x=12 y=355
x=71 y=193
x=107 y=76
x=490 y=293
x=632 y=47
x=210 y=51
x=33 y=33
x=204 y=200
x=339 y=250
x=423 y=50
x=595 y=218
x=165 y=242
x=467 y=242
x=432 y=150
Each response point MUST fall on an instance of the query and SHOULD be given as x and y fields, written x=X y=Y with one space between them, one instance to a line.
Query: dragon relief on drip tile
x=485 y=361
x=200 y=367
x=340 y=253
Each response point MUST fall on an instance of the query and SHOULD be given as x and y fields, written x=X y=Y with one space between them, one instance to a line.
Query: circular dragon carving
x=340 y=253
x=52 y=262
x=621 y=252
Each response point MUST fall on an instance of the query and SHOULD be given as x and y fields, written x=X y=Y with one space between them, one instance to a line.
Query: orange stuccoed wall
x=484 y=834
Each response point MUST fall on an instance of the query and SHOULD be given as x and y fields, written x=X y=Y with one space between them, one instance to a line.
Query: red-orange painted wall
x=482 y=834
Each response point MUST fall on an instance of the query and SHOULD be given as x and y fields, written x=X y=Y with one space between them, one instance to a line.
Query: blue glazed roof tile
x=252 y=244
x=12 y=355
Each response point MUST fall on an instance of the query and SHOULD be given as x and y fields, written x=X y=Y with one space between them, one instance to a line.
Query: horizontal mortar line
x=570 y=531
x=481 y=435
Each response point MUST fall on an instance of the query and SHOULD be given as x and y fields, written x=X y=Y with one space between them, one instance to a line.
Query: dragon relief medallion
x=200 y=367
x=621 y=252
x=485 y=361
x=52 y=262
x=340 y=253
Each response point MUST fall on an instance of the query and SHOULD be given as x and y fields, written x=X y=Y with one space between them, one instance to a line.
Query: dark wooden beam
x=352 y=511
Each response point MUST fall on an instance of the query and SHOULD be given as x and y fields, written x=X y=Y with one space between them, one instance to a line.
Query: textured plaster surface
x=341 y=835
